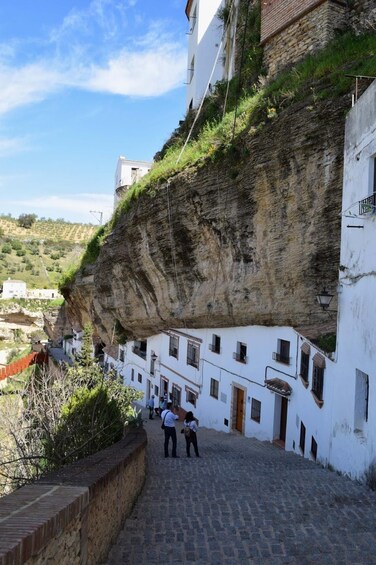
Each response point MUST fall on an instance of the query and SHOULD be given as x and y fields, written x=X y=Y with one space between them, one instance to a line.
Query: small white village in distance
x=18 y=289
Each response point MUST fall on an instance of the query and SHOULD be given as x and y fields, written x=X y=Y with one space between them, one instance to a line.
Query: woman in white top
x=190 y=433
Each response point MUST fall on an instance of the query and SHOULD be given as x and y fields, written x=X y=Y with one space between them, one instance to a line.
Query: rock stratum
x=248 y=239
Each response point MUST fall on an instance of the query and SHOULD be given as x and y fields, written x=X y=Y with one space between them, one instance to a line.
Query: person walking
x=190 y=433
x=168 y=421
x=161 y=406
x=151 y=407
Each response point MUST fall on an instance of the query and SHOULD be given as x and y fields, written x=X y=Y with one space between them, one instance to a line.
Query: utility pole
x=98 y=215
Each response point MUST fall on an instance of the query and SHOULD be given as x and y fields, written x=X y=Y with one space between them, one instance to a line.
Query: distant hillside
x=48 y=229
x=40 y=254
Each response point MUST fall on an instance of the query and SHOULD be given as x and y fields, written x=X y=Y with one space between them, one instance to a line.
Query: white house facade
x=72 y=343
x=14 y=289
x=43 y=293
x=127 y=173
x=353 y=425
x=267 y=383
x=210 y=50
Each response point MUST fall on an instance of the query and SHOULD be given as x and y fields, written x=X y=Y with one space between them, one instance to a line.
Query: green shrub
x=16 y=244
x=6 y=248
x=90 y=422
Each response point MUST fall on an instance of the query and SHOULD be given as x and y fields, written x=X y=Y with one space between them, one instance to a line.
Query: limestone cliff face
x=248 y=239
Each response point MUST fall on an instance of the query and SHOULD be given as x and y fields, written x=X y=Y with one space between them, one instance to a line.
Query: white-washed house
x=72 y=343
x=127 y=173
x=14 y=289
x=210 y=50
x=353 y=419
x=263 y=382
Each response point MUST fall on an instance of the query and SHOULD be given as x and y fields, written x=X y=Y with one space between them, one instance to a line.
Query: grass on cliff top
x=317 y=77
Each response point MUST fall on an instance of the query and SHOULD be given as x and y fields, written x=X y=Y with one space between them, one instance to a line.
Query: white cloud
x=31 y=83
x=147 y=73
x=87 y=52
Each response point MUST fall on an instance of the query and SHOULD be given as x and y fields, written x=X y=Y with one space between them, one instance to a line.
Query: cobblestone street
x=242 y=502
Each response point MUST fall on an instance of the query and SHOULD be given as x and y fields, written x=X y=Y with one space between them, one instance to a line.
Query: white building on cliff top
x=210 y=50
x=14 y=289
x=18 y=289
x=127 y=173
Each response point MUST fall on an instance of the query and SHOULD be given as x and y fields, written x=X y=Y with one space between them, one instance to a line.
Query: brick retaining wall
x=305 y=35
x=74 y=515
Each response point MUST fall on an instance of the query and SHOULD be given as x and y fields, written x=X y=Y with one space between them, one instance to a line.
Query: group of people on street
x=162 y=405
x=169 y=418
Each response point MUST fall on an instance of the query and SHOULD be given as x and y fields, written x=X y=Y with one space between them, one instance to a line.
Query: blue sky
x=82 y=82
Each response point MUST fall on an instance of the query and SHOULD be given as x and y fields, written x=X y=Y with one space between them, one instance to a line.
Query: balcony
x=240 y=357
x=193 y=362
x=368 y=205
x=281 y=358
x=138 y=351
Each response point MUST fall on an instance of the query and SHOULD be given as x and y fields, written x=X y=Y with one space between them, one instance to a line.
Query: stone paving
x=244 y=501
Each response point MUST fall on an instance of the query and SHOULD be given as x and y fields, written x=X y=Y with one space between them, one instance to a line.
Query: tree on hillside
x=26 y=220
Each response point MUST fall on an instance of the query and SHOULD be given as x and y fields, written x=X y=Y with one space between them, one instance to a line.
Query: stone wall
x=311 y=32
x=279 y=14
x=72 y=516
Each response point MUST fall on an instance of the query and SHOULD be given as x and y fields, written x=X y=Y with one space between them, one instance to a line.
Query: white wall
x=129 y=172
x=212 y=412
x=357 y=304
x=43 y=293
x=13 y=289
x=203 y=43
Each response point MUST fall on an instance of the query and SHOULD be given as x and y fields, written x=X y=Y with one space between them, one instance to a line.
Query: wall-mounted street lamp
x=153 y=357
x=324 y=298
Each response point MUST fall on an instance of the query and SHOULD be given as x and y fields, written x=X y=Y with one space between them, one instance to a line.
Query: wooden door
x=239 y=402
x=283 y=422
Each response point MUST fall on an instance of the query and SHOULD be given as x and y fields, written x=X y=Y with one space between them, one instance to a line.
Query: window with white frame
x=139 y=377
x=193 y=20
x=191 y=396
x=314 y=448
x=176 y=396
x=191 y=70
x=214 y=388
x=282 y=354
x=193 y=354
x=256 y=410
x=173 y=349
x=121 y=355
x=140 y=348
x=361 y=400
x=132 y=375
x=215 y=345
x=318 y=376
x=241 y=352
x=302 y=437
x=304 y=363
